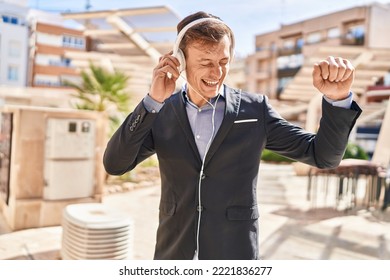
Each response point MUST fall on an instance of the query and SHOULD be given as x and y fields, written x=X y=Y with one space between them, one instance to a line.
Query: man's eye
x=212 y=65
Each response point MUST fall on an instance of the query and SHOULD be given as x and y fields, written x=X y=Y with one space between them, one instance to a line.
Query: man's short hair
x=205 y=33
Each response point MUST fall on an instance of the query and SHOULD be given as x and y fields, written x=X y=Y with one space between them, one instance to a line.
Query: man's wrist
x=152 y=105
x=343 y=103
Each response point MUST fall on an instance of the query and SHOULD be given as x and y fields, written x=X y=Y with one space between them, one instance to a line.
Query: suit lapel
x=178 y=107
x=233 y=100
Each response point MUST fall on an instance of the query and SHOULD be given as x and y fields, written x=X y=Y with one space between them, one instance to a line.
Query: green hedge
x=355 y=151
x=352 y=151
x=271 y=156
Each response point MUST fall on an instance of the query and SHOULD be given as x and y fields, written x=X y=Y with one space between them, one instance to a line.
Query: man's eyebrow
x=209 y=59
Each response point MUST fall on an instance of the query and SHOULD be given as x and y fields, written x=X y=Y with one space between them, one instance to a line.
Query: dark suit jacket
x=229 y=226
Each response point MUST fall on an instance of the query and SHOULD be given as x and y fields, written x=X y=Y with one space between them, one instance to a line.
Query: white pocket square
x=245 y=121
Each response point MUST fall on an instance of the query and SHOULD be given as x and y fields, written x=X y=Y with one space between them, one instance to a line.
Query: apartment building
x=13 y=43
x=49 y=67
x=281 y=54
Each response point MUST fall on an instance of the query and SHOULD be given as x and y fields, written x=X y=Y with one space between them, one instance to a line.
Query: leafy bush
x=271 y=156
x=355 y=151
x=352 y=151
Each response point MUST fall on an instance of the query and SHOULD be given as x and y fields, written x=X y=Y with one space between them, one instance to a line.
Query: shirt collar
x=185 y=89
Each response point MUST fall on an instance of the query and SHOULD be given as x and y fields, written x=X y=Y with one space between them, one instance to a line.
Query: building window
x=79 y=42
x=73 y=42
x=333 y=33
x=6 y=19
x=46 y=80
x=313 y=38
x=260 y=48
x=13 y=73
x=66 y=79
x=66 y=41
x=10 y=19
x=14 y=49
x=288 y=44
x=355 y=35
x=300 y=43
x=66 y=61
x=290 y=61
x=282 y=83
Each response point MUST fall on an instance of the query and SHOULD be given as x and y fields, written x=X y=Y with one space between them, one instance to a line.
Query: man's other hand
x=333 y=77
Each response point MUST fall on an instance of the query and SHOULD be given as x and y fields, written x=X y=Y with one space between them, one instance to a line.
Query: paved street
x=290 y=228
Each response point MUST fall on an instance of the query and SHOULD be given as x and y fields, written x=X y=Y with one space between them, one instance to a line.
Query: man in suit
x=209 y=137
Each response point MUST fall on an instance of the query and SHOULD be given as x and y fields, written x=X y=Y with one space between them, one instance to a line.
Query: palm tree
x=101 y=90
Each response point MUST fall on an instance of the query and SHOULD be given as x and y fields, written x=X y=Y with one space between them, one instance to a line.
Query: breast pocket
x=245 y=124
x=246 y=121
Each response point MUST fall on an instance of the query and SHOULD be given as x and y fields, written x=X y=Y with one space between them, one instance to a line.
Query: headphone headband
x=178 y=53
x=188 y=26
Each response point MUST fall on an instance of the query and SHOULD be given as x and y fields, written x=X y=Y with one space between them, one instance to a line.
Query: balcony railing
x=352 y=41
x=61 y=63
x=289 y=51
x=288 y=71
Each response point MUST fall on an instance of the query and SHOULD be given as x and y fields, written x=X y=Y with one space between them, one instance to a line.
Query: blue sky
x=246 y=17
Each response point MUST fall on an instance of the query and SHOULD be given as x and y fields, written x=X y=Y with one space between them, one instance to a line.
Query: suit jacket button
x=199 y=208
x=203 y=176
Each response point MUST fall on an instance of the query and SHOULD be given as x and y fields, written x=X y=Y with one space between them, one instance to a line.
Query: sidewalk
x=289 y=227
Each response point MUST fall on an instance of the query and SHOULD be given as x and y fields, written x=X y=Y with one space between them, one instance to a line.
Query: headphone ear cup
x=182 y=60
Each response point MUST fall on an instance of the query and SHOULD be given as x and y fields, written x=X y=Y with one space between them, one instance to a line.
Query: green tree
x=101 y=90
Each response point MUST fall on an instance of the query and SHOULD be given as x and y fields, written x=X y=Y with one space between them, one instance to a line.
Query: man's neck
x=200 y=100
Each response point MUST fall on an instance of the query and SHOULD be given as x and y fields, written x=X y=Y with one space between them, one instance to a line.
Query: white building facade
x=13 y=43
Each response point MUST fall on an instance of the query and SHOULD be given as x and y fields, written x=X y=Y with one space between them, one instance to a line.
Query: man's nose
x=216 y=71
